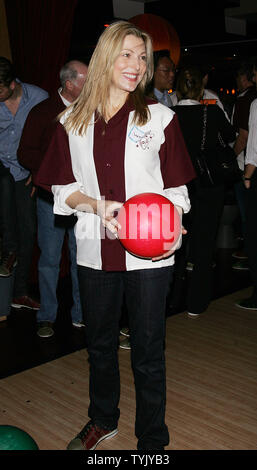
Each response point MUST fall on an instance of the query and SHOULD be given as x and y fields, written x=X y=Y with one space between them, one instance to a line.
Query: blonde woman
x=112 y=144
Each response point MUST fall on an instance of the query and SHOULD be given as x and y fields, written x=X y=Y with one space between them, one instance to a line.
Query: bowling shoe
x=8 y=264
x=248 y=304
x=124 y=331
x=78 y=324
x=45 y=329
x=90 y=436
x=241 y=265
x=193 y=315
x=25 y=302
x=125 y=343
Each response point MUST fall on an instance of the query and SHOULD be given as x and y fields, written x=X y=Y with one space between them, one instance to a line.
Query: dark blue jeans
x=8 y=216
x=26 y=222
x=102 y=295
x=18 y=226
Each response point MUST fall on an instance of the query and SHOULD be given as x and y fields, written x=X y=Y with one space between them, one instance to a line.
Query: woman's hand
x=247 y=183
x=174 y=248
x=106 y=211
x=27 y=183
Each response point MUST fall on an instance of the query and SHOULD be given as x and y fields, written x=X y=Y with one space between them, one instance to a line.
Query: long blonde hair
x=95 y=93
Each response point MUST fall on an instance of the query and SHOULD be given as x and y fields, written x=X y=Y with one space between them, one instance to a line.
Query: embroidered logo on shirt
x=141 y=139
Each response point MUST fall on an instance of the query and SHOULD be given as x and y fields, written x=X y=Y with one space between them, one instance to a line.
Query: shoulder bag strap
x=204 y=127
x=221 y=141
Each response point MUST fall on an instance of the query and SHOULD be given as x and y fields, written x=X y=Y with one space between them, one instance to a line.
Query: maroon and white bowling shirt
x=115 y=161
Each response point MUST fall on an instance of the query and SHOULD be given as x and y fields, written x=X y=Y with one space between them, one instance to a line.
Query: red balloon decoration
x=150 y=225
x=163 y=35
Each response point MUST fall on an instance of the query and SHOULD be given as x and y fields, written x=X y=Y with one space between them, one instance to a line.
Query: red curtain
x=40 y=32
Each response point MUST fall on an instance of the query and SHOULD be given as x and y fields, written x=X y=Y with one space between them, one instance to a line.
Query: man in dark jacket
x=52 y=229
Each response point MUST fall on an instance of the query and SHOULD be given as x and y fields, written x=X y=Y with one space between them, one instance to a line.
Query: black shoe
x=9 y=261
x=241 y=265
x=45 y=329
x=248 y=304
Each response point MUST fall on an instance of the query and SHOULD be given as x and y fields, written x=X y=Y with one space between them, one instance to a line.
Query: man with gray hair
x=72 y=78
x=52 y=229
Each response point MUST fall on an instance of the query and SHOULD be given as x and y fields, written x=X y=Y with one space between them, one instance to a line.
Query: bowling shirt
x=115 y=161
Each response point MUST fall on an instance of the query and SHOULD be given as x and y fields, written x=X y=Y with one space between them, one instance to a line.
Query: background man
x=35 y=139
x=16 y=101
x=240 y=119
x=250 y=182
x=164 y=76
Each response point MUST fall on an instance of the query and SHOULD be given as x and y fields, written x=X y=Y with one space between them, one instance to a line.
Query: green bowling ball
x=13 y=438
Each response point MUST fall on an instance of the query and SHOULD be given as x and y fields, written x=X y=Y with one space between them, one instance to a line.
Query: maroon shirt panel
x=38 y=130
x=56 y=167
x=109 y=151
x=176 y=166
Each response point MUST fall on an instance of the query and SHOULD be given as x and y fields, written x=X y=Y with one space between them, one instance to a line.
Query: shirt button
x=108 y=165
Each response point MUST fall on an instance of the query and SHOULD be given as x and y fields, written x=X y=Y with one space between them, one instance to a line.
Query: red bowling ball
x=150 y=225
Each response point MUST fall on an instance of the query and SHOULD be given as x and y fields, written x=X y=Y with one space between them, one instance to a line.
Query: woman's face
x=130 y=66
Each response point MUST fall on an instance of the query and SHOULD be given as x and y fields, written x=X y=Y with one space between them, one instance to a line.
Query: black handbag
x=230 y=172
x=218 y=165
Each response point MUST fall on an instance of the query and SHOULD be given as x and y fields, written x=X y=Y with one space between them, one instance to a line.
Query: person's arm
x=241 y=123
x=251 y=151
x=241 y=141
x=248 y=173
x=104 y=209
x=179 y=242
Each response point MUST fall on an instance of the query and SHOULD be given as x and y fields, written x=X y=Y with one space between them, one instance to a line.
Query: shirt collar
x=65 y=102
x=188 y=102
x=158 y=94
x=163 y=97
x=24 y=96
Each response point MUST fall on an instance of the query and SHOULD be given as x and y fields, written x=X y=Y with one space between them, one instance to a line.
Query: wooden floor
x=211 y=387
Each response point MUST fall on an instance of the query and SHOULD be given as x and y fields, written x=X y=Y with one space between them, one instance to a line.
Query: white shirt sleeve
x=251 y=150
x=179 y=197
x=61 y=193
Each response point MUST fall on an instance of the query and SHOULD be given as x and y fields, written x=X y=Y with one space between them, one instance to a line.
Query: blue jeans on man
x=51 y=233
